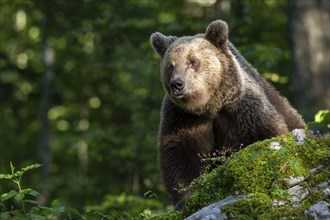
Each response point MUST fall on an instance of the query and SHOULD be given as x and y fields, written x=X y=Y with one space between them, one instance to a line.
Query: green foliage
x=16 y=177
x=321 y=124
x=23 y=204
x=124 y=203
x=29 y=207
x=323 y=116
x=169 y=215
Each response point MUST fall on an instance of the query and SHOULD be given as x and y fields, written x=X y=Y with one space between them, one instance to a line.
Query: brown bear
x=214 y=100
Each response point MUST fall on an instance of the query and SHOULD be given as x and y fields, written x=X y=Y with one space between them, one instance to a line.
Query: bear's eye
x=193 y=64
x=170 y=67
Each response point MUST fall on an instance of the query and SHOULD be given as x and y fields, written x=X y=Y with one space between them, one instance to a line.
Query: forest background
x=80 y=91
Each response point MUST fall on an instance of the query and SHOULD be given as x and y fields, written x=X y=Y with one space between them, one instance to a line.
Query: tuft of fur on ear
x=160 y=42
x=217 y=33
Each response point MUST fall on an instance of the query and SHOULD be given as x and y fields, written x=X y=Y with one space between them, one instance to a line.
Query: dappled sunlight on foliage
x=80 y=92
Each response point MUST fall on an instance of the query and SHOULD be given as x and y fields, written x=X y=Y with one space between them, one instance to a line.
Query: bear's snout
x=177 y=87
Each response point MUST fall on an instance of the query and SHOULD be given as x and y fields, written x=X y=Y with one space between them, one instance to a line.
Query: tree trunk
x=44 y=153
x=309 y=27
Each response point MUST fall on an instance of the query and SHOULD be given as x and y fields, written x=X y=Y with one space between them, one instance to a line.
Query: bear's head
x=199 y=73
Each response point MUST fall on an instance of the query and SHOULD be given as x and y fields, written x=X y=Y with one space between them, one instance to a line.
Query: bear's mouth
x=178 y=94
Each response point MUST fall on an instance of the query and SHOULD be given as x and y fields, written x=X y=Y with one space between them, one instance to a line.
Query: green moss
x=320 y=177
x=283 y=212
x=280 y=194
x=195 y=202
x=314 y=151
x=249 y=208
x=260 y=171
x=258 y=168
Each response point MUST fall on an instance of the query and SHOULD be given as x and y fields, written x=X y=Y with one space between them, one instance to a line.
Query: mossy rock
x=264 y=174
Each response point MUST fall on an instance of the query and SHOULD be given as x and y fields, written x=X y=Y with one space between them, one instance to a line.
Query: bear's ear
x=217 y=33
x=161 y=42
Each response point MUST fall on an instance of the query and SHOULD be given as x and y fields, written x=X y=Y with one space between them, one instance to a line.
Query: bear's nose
x=177 y=85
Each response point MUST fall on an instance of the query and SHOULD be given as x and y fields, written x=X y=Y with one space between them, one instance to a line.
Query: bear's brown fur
x=214 y=100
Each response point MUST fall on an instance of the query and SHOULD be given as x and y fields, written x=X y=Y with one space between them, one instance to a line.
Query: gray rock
x=275 y=145
x=298 y=194
x=323 y=186
x=319 y=211
x=277 y=203
x=316 y=170
x=292 y=181
x=213 y=211
x=326 y=192
x=299 y=135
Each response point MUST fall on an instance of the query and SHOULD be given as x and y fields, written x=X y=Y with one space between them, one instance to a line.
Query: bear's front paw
x=181 y=201
x=179 y=206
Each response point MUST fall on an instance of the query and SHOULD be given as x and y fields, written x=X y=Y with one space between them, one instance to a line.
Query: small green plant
x=321 y=124
x=21 y=203
x=21 y=194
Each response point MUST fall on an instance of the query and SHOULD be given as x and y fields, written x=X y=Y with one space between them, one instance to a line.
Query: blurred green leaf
x=19 y=197
x=31 y=167
x=9 y=195
x=30 y=192
x=5 y=215
x=323 y=116
x=12 y=168
x=6 y=176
